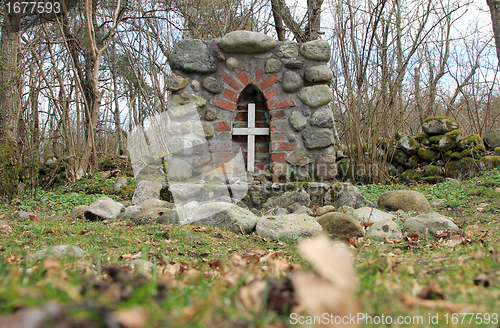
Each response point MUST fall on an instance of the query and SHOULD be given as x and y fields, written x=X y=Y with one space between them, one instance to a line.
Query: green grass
x=385 y=272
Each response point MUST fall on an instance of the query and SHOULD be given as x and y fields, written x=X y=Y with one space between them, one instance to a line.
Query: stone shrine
x=268 y=99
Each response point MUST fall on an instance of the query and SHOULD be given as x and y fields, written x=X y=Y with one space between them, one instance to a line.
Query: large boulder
x=58 y=252
x=341 y=225
x=193 y=56
x=226 y=216
x=492 y=138
x=103 y=208
x=385 y=229
x=145 y=190
x=301 y=225
x=431 y=222
x=439 y=125
x=247 y=42
x=287 y=199
x=370 y=214
x=351 y=196
x=406 y=200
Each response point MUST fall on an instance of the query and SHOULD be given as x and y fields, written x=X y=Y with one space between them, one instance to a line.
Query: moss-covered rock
x=439 y=125
x=436 y=139
x=426 y=142
x=408 y=145
x=489 y=162
x=470 y=141
x=421 y=136
x=427 y=155
x=449 y=141
x=412 y=162
x=432 y=170
x=497 y=150
x=456 y=156
x=460 y=169
x=492 y=138
x=398 y=157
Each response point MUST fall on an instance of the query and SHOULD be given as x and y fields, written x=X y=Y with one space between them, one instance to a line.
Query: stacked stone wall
x=291 y=78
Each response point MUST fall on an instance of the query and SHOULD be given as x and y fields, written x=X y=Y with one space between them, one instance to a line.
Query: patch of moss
x=471 y=141
x=412 y=162
x=456 y=156
x=427 y=155
x=421 y=136
x=166 y=195
x=497 y=150
x=426 y=142
x=432 y=170
x=436 y=139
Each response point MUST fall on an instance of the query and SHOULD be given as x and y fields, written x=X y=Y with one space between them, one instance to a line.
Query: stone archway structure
x=292 y=81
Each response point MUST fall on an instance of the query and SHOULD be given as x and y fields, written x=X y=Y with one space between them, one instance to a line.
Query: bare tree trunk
x=495 y=20
x=10 y=102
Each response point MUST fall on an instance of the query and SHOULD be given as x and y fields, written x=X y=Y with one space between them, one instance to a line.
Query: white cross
x=251 y=132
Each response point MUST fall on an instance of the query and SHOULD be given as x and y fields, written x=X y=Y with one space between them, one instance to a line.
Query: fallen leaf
x=366 y=224
x=332 y=292
x=469 y=235
x=454 y=241
x=34 y=218
x=135 y=317
x=251 y=295
x=412 y=236
x=129 y=257
x=6 y=230
x=315 y=209
x=483 y=205
x=270 y=255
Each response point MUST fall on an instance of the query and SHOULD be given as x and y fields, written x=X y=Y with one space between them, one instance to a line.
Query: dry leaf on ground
x=454 y=241
x=333 y=293
x=135 y=317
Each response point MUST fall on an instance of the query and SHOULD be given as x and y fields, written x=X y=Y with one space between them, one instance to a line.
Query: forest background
x=74 y=84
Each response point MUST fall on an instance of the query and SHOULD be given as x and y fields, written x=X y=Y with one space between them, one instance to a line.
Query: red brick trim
x=268 y=82
x=258 y=76
x=230 y=81
x=280 y=157
x=224 y=104
x=283 y=146
x=280 y=103
x=231 y=95
x=222 y=126
x=271 y=93
x=243 y=78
